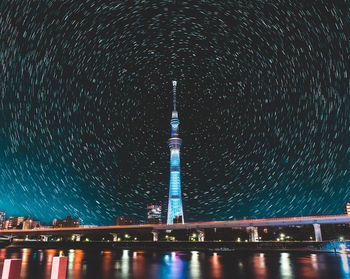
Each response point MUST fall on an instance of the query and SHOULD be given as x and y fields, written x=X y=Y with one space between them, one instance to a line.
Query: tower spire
x=174 y=94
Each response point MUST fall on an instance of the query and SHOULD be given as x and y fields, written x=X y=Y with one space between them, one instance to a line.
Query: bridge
x=251 y=226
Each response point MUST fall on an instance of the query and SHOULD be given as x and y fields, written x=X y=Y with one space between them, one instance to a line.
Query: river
x=36 y=264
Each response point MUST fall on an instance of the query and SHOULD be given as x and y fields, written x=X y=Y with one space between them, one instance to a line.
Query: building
x=2 y=220
x=154 y=213
x=66 y=223
x=125 y=220
x=30 y=224
x=6 y=225
x=347 y=208
x=175 y=211
x=20 y=222
x=14 y=222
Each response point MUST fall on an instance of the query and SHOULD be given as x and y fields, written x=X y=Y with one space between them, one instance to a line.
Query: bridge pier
x=201 y=235
x=115 y=237
x=253 y=234
x=76 y=237
x=318 y=234
x=155 y=236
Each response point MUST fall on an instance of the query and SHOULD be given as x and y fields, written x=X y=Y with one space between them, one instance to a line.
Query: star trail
x=86 y=100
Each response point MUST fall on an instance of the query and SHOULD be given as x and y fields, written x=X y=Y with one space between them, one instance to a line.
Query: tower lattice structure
x=175 y=210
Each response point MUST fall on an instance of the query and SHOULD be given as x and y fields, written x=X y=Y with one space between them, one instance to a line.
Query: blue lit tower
x=175 y=211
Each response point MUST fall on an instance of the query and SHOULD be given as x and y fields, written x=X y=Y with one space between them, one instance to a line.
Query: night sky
x=86 y=99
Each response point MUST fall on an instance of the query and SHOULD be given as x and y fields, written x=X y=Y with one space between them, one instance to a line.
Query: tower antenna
x=174 y=94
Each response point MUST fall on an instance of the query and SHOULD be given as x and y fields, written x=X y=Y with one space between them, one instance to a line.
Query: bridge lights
x=193 y=237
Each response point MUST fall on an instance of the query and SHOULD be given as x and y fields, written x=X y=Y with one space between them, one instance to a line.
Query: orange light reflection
x=24 y=267
x=259 y=265
x=106 y=264
x=138 y=265
x=216 y=266
x=50 y=253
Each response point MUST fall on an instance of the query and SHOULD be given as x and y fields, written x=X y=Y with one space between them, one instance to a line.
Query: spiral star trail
x=263 y=98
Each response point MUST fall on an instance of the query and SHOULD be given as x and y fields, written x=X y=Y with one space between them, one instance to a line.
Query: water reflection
x=75 y=264
x=344 y=261
x=314 y=262
x=215 y=266
x=309 y=266
x=2 y=254
x=285 y=266
x=195 y=265
x=125 y=264
x=71 y=256
x=36 y=264
x=25 y=255
x=50 y=253
x=173 y=266
x=259 y=265
x=138 y=265
x=106 y=264
x=2 y=257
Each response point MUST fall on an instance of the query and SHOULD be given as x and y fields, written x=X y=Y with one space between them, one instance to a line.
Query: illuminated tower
x=175 y=211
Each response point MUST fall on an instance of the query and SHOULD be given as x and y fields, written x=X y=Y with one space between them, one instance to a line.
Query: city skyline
x=86 y=94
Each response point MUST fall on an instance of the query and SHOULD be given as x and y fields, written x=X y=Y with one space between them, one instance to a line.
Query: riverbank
x=326 y=246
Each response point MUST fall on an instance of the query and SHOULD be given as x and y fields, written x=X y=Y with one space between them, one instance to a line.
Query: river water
x=36 y=264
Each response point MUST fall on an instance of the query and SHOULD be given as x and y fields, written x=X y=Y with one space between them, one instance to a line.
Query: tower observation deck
x=175 y=211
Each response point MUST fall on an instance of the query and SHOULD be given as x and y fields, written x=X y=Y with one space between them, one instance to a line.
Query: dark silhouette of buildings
x=125 y=220
x=66 y=223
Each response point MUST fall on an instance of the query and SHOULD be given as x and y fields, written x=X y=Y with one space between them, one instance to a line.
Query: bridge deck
x=307 y=220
